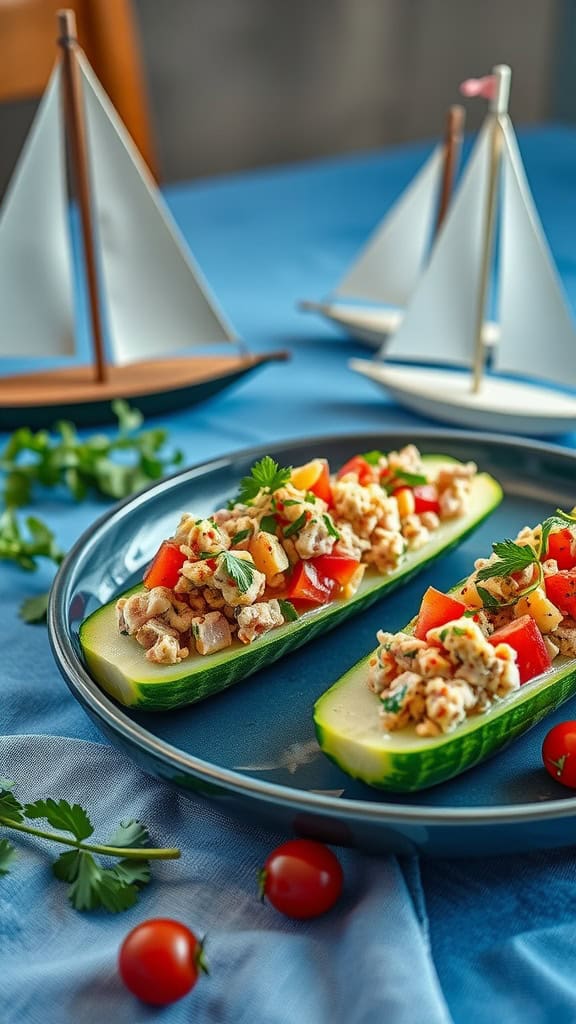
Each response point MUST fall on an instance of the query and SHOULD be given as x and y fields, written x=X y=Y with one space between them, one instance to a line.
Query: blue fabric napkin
x=366 y=961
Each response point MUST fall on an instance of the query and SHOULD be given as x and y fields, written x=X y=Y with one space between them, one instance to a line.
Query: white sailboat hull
x=502 y=404
x=368 y=324
x=373 y=326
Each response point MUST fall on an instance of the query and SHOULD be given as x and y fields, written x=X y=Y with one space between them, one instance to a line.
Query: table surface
x=265 y=240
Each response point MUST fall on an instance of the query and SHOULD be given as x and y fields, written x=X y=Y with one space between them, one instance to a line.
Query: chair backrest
x=108 y=34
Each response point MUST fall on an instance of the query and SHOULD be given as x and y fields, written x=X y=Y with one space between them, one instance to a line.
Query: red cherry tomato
x=426 y=499
x=436 y=609
x=559 y=753
x=164 y=570
x=302 y=878
x=366 y=473
x=525 y=638
x=561 y=590
x=561 y=546
x=310 y=586
x=160 y=960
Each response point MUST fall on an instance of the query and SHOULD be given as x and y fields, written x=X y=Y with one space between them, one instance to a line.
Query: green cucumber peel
x=118 y=664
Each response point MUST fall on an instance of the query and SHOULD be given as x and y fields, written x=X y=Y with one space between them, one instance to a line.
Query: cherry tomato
x=559 y=753
x=164 y=570
x=366 y=473
x=160 y=961
x=302 y=878
x=436 y=609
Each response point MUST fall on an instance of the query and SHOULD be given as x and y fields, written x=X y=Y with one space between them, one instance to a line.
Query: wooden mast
x=75 y=123
x=452 y=146
x=498 y=109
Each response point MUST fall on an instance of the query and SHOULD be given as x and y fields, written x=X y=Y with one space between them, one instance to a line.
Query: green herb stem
x=134 y=853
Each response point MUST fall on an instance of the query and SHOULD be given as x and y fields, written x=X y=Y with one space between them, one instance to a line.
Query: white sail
x=439 y=324
x=391 y=262
x=36 y=289
x=537 y=333
x=156 y=298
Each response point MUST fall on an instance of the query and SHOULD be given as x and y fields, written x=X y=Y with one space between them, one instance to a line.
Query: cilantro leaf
x=25 y=551
x=268 y=524
x=488 y=599
x=66 y=866
x=512 y=557
x=128 y=419
x=34 y=609
x=332 y=531
x=264 y=475
x=393 y=703
x=10 y=808
x=130 y=833
x=288 y=610
x=296 y=525
x=70 y=817
x=373 y=457
x=7 y=855
x=133 y=872
x=240 y=536
x=240 y=571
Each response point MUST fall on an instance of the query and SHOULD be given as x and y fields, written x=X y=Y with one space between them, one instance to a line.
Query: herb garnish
x=512 y=557
x=332 y=531
x=268 y=524
x=393 y=703
x=373 y=457
x=91 y=885
x=62 y=458
x=265 y=475
x=402 y=476
x=239 y=537
x=288 y=610
x=15 y=547
x=240 y=571
x=296 y=525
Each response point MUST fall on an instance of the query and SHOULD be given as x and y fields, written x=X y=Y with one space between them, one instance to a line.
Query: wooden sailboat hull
x=503 y=404
x=155 y=386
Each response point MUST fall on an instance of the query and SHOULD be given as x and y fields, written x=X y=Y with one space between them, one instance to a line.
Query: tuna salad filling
x=501 y=628
x=292 y=539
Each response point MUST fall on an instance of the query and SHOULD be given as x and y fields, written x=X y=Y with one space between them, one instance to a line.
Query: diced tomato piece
x=436 y=609
x=561 y=590
x=562 y=547
x=426 y=498
x=322 y=487
x=164 y=570
x=525 y=638
x=358 y=465
x=337 y=567
x=309 y=585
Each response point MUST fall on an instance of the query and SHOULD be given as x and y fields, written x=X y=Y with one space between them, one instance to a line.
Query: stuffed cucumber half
x=294 y=553
x=474 y=670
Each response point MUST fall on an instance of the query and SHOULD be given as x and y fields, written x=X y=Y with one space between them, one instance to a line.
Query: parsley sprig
x=240 y=570
x=113 y=466
x=265 y=475
x=92 y=885
x=512 y=557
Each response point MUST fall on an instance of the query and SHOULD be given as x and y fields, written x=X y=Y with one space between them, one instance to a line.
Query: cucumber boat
x=118 y=665
x=348 y=716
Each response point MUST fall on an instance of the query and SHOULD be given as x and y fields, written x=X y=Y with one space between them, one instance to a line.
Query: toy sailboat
x=145 y=292
x=388 y=268
x=537 y=339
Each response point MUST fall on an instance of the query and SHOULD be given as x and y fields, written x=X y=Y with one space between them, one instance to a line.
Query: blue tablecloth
x=410 y=942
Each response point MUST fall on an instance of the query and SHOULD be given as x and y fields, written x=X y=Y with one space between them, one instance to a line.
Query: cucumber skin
x=203 y=683
x=407 y=773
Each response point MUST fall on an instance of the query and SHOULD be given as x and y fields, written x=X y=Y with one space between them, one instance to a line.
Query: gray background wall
x=241 y=83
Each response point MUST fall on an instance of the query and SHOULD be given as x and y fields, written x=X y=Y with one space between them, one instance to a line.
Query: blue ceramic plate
x=252 y=748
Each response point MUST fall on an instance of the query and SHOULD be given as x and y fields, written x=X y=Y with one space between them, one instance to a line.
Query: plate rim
x=95 y=701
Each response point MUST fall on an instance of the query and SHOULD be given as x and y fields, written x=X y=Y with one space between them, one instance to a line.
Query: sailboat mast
x=498 y=109
x=452 y=146
x=77 y=137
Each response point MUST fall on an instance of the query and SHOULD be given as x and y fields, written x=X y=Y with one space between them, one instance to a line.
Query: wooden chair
x=108 y=34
